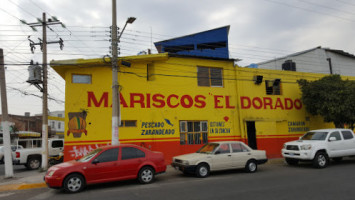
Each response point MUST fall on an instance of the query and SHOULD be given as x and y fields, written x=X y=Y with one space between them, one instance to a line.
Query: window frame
x=192 y=135
x=124 y=123
x=210 y=78
x=275 y=90
x=82 y=75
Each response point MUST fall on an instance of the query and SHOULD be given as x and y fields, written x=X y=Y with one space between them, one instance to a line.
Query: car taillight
x=17 y=154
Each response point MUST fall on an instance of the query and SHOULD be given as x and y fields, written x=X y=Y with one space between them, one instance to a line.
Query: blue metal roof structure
x=212 y=43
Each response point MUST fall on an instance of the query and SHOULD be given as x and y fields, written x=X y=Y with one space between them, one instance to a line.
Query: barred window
x=208 y=76
x=193 y=132
x=128 y=123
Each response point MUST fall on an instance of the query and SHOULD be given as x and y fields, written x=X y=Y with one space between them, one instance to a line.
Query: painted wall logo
x=77 y=124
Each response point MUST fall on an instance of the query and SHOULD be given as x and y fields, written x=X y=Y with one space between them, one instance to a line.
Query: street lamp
x=130 y=20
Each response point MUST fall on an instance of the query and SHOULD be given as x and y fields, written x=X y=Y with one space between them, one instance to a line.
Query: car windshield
x=208 y=148
x=315 y=136
x=90 y=155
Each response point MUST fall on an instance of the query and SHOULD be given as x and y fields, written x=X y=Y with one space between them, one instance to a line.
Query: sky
x=260 y=30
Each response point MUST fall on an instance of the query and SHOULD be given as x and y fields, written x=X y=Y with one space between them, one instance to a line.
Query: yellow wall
x=225 y=108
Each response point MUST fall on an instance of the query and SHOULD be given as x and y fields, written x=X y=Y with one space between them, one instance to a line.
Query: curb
x=22 y=186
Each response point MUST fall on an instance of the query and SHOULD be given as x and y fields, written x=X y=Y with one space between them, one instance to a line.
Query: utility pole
x=44 y=23
x=116 y=114
x=115 y=92
x=9 y=172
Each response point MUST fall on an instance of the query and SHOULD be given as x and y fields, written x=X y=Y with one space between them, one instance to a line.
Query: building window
x=128 y=123
x=59 y=125
x=273 y=87
x=193 y=132
x=208 y=76
x=81 y=78
x=60 y=115
x=53 y=125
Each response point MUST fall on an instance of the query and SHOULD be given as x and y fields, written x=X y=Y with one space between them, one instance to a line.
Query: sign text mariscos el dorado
x=148 y=100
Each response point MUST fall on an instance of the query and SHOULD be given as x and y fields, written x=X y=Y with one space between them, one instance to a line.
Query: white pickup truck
x=319 y=146
x=31 y=157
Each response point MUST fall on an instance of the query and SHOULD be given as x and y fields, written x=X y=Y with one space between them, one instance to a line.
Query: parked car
x=32 y=157
x=220 y=156
x=106 y=164
x=318 y=146
x=13 y=148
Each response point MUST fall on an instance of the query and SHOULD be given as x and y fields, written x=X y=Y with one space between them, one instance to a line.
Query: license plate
x=291 y=154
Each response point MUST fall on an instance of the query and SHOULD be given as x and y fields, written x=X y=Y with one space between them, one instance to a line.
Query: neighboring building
x=24 y=126
x=56 y=123
x=316 y=60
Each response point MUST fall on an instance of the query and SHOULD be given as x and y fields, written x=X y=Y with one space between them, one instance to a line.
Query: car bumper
x=53 y=181
x=261 y=161
x=299 y=155
x=184 y=168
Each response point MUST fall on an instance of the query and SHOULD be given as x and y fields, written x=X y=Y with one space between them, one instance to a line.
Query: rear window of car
x=347 y=135
x=131 y=153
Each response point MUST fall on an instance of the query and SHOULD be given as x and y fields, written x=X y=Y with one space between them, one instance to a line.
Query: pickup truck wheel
x=202 y=170
x=33 y=163
x=251 y=166
x=291 y=161
x=320 y=160
x=74 y=183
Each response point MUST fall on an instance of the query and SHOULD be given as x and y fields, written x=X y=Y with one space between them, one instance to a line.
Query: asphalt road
x=276 y=181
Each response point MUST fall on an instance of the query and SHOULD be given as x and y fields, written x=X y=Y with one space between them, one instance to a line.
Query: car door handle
x=229 y=155
x=249 y=153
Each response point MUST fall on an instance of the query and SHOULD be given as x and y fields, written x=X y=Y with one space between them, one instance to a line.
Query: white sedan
x=220 y=156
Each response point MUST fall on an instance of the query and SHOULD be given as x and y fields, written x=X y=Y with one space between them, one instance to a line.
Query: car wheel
x=251 y=166
x=74 y=183
x=291 y=161
x=33 y=163
x=146 y=175
x=320 y=160
x=202 y=170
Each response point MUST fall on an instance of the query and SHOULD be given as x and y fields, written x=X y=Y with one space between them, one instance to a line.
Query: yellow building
x=175 y=104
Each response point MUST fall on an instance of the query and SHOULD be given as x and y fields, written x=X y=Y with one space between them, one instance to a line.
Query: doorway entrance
x=251 y=133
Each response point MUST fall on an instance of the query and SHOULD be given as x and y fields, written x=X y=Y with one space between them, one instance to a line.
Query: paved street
x=272 y=181
x=18 y=169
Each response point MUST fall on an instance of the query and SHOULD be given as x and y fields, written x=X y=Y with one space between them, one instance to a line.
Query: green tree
x=332 y=98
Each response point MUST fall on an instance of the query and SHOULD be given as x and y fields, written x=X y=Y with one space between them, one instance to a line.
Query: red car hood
x=69 y=164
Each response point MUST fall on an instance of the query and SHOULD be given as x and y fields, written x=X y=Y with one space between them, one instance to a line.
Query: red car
x=106 y=164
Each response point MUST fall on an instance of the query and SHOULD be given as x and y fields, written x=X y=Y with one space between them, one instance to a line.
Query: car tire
x=291 y=161
x=251 y=166
x=33 y=163
x=146 y=175
x=202 y=170
x=74 y=183
x=320 y=160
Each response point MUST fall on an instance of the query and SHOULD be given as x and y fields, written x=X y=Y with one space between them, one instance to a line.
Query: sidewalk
x=34 y=179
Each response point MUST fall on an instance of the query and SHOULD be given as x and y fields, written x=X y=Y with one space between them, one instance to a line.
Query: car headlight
x=185 y=162
x=306 y=147
x=51 y=173
x=284 y=146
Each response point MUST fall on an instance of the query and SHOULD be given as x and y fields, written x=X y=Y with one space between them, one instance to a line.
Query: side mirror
x=331 y=139
x=95 y=161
